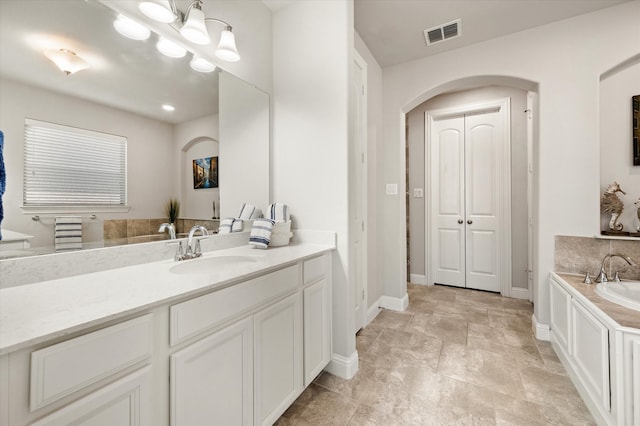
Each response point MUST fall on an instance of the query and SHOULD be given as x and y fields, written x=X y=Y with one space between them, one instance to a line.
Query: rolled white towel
x=247 y=211
x=278 y=212
x=261 y=233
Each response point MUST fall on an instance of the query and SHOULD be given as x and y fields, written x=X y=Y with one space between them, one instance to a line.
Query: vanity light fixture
x=159 y=10
x=200 y=64
x=170 y=49
x=66 y=60
x=131 y=29
x=194 y=29
x=193 y=25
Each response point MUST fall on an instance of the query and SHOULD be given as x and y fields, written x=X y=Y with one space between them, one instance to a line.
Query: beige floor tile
x=455 y=357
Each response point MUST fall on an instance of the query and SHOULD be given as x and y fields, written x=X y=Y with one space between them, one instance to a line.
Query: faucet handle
x=616 y=277
x=602 y=276
x=587 y=279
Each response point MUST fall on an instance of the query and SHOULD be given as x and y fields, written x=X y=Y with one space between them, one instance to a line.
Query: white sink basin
x=207 y=265
x=625 y=293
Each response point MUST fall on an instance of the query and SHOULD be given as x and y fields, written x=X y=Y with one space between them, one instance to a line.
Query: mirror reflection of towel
x=3 y=179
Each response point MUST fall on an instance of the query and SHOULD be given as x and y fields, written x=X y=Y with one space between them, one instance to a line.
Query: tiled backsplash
x=578 y=255
x=130 y=231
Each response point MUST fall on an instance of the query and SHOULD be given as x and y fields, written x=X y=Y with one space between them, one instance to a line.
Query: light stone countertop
x=623 y=316
x=34 y=313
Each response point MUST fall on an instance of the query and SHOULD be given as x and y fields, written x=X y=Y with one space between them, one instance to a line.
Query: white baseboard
x=519 y=293
x=395 y=303
x=372 y=312
x=541 y=330
x=418 y=279
x=343 y=367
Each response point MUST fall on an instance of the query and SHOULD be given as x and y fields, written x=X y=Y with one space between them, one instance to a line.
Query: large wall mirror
x=122 y=93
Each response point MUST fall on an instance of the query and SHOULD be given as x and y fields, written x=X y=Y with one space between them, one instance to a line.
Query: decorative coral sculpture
x=610 y=203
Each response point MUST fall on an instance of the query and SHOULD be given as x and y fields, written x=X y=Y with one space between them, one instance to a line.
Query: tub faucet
x=193 y=247
x=168 y=227
x=602 y=275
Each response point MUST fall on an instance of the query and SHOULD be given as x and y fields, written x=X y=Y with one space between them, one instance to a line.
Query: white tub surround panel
x=597 y=342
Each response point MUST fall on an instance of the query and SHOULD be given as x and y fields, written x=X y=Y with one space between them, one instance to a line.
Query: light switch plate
x=392 y=189
x=418 y=193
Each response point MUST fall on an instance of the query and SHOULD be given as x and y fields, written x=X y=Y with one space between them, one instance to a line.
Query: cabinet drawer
x=194 y=316
x=61 y=369
x=314 y=269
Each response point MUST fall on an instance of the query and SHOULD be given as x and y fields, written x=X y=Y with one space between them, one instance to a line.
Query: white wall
x=150 y=163
x=311 y=136
x=564 y=60
x=193 y=140
x=416 y=141
x=616 y=90
x=374 y=126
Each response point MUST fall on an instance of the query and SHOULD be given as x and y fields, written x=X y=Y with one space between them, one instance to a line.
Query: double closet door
x=467 y=181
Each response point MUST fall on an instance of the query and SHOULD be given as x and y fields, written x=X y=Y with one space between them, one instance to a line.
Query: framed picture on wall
x=205 y=173
x=635 y=130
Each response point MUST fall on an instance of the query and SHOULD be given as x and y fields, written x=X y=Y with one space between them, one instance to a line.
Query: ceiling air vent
x=443 y=32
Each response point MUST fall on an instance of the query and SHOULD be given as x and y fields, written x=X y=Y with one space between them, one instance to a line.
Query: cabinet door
x=560 y=316
x=317 y=329
x=278 y=358
x=211 y=380
x=590 y=348
x=123 y=403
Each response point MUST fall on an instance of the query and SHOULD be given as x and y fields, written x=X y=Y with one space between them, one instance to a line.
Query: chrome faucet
x=602 y=275
x=168 y=227
x=193 y=247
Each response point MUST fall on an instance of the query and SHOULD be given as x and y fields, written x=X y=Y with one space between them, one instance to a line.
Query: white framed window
x=71 y=168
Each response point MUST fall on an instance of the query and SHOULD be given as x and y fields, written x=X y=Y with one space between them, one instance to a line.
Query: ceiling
x=393 y=29
x=124 y=74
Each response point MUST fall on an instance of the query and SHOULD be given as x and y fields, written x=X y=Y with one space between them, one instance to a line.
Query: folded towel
x=68 y=233
x=261 y=233
x=246 y=211
x=230 y=224
x=278 y=212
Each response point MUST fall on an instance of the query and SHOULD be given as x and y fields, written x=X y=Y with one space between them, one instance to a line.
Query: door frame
x=504 y=106
x=359 y=165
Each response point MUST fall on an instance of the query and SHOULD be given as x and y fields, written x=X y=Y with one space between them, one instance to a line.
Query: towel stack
x=68 y=233
x=230 y=224
x=273 y=231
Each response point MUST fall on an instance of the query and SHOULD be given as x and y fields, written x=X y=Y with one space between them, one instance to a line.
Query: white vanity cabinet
x=560 y=316
x=317 y=317
x=590 y=353
x=238 y=352
x=601 y=356
x=278 y=358
x=212 y=378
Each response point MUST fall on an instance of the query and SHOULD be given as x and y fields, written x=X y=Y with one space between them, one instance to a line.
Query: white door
x=465 y=181
x=358 y=200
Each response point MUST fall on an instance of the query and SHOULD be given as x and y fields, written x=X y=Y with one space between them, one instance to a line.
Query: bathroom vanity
x=232 y=341
x=598 y=342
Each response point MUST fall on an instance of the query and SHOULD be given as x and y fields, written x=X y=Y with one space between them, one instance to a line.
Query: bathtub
x=625 y=293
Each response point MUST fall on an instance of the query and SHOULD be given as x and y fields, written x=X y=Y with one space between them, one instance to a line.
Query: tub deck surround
x=625 y=317
x=34 y=313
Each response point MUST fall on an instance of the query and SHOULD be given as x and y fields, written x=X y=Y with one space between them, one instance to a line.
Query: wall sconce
x=193 y=26
x=66 y=60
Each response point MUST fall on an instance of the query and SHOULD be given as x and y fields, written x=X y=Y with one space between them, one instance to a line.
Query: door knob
x=469 y=221
x=460 y=221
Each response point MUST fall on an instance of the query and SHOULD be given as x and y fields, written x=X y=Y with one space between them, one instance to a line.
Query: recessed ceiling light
x=170 y=49
x=130 y=28
x=169 y=108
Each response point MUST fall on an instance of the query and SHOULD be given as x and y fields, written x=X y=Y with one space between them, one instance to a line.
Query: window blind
x=67 y=166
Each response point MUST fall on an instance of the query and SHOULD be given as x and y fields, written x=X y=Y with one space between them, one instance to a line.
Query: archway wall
x=562 y=62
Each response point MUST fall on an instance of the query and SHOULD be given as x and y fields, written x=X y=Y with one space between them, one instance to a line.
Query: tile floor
x=455 y=357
